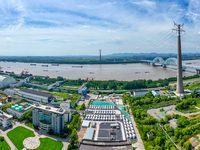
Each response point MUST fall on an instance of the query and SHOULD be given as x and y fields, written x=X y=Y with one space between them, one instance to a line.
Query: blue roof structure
x=155 y=93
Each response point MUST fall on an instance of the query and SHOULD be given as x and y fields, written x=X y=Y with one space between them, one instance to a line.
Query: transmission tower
x=179 y=89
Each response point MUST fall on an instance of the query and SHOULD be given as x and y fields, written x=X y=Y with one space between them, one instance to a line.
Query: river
x=125 y=72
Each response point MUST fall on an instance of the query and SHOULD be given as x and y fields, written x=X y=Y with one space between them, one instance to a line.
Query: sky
x=82 y=27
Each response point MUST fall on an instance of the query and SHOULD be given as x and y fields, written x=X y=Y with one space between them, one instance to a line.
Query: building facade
x=83 y=89
x=36 y=95
x=66 y=105
x=140 y=93
x=50 y=117
x=5 y=119
x=6 y=81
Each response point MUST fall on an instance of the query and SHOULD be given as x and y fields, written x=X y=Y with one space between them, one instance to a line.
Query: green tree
x=187 y=145
x=157 y=148
x=74 y=138
x=82 y=106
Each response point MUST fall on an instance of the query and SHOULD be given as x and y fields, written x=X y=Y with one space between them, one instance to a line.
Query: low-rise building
x=66 y=105
x=9 y=91
x=5 y=119
x=19 y=110
x=155 y=93
x=36 y=95
x=140 y=93
x=149 y=134
x=50 y=117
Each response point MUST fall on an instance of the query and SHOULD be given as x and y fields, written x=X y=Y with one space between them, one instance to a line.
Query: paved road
x=41 y=134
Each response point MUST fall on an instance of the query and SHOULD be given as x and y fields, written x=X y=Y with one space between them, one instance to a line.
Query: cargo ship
x=33 y=64
x=77 y=66
x=55 y=64
x=44 y=65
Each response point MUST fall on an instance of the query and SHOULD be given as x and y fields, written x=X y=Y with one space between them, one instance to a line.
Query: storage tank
x=13 y=107
x=9 y=98
x=16 y=105
x=17 y=109
x=3 y=99
x=20 y=108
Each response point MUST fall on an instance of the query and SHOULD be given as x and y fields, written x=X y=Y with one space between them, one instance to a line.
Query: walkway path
x=139 y=144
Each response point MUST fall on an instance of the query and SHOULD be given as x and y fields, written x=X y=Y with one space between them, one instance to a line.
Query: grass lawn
x=18 y=135
x=73 y=97
x=194 y=86
x=4 y=145
x=77 y=107
x=49 y=144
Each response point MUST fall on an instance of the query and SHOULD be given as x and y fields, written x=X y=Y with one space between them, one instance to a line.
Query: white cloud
x=8 y=38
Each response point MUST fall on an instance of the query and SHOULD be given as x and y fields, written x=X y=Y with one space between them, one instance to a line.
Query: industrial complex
x=36 y=95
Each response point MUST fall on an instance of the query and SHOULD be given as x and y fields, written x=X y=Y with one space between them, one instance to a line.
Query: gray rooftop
x=5 y=116
x=50 y=109
x=89 y=134
x=37 y=93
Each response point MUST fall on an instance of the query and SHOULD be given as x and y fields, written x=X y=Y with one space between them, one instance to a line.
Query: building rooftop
x=48 y=108
x=37 y=93
x=89 y=134
x=22 y=111
x=5 y=116
x=141 y=91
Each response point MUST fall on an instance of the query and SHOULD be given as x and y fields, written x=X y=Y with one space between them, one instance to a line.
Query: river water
x=125 y=72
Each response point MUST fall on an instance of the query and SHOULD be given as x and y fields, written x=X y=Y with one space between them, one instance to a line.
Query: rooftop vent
x=48 y=108
x=60 y=110
x=37 y=104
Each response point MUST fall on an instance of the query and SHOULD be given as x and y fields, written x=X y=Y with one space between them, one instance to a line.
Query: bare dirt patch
x=81 y=133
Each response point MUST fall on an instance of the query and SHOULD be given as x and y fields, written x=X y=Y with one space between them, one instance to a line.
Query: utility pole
x=179 y=88
x=100 y=54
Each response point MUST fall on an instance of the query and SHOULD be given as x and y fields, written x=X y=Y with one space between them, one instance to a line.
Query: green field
x=4 y=145
x=73 y=97
x=18 y=135
x=49 y=144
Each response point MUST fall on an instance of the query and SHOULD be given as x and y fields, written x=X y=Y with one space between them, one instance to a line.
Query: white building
x=5 y=119
x=140 y=93
x=66 y=105
x=11 y=92
x=83 y=89
x=36 y=95
x=5 y=81
x=155 y=93
x=17 y=112
x=50 y=117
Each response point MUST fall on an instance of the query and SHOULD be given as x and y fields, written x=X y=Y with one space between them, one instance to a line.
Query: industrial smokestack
x=100 y=54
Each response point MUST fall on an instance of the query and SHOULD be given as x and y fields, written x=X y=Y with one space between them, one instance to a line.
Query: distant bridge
x=169 y=61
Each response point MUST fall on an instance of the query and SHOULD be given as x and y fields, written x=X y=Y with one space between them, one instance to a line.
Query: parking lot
x=104 y=132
